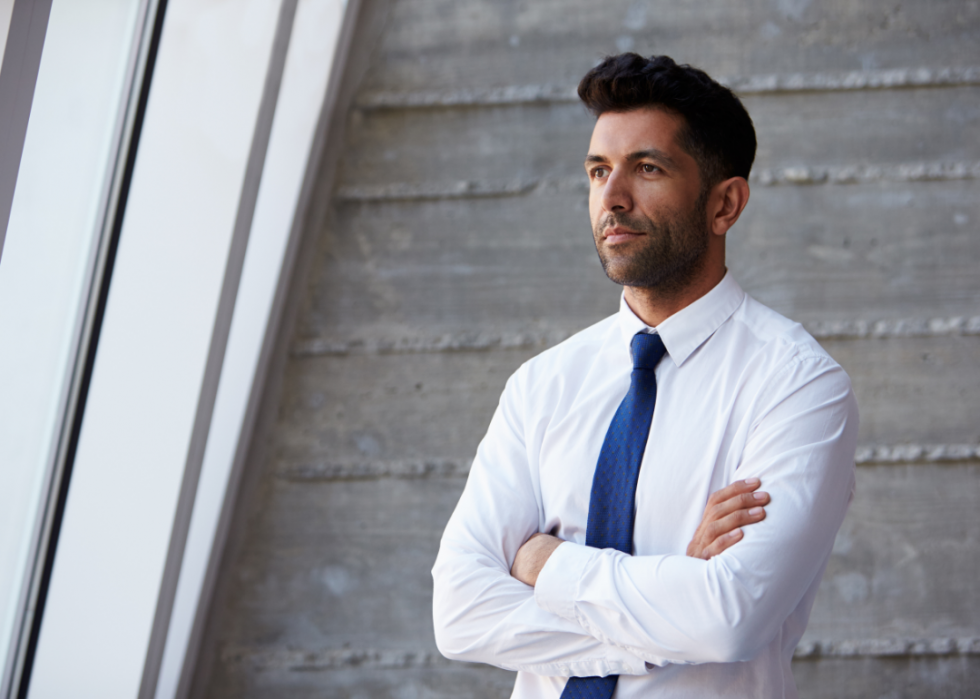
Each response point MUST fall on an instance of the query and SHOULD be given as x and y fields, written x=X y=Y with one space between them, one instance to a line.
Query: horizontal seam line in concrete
x=322 y=470
x=766 y=177
x=264 y=658
x=889 y=647
x=463 y=341
x=849 y=81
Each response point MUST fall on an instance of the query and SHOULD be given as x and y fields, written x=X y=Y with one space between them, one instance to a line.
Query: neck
x=653 y=306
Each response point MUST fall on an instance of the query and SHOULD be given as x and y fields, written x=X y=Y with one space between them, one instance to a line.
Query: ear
x=725 y=204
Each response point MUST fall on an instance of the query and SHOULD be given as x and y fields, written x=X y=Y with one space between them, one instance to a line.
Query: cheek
x=659 y=205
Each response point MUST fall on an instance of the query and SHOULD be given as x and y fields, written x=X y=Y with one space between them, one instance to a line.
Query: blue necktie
x=614 y=483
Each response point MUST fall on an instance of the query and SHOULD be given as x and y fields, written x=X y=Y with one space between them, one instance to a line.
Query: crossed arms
x=728 y=509
x=599 y=612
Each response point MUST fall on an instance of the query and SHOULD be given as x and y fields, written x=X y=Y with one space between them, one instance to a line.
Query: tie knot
x=648 y=350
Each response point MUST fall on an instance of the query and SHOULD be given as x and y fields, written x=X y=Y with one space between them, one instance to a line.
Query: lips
x=616 y=235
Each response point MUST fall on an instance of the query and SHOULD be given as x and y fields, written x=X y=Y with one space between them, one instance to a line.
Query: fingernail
x=734 y=533
x=759 y=496
x=755 y=511
x=751 y=481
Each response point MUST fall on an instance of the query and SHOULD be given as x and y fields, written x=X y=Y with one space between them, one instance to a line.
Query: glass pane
x=47 y=262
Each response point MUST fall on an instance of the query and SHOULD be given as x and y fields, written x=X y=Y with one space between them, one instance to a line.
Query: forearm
x=482 y=614
x=665 y=609
x=677 y=609
x=605 y=607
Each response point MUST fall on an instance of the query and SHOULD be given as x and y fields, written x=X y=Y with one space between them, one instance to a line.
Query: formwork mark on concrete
x=895 y=78
x=531 y=338
x=802 y=175
x=873 y=454
x=888 y=647
x=369 y=470
x=858 y=329
x=296 y=659
x=329 y=659
x=339 y=470
x=463 y=341
x=424 y=191
x=859 y=174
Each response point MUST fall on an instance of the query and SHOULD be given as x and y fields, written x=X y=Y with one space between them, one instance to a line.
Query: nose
x=616 y=194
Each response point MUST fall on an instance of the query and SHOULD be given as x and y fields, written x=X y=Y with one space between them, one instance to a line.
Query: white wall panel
x=52 y=234
x=304 y=85
x=133 y=447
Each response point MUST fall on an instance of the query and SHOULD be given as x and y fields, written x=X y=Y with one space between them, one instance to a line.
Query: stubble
x=666 y=259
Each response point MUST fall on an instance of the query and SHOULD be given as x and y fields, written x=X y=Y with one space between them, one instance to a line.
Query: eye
x=649 y=168
x=599 y=172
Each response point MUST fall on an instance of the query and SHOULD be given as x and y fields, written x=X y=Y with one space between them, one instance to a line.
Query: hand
x=531 y=557
x=727 y=510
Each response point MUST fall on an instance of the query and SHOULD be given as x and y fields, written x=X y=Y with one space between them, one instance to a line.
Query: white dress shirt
x=741 y=392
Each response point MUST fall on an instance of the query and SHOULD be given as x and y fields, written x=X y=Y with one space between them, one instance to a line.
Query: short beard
x=674 y=254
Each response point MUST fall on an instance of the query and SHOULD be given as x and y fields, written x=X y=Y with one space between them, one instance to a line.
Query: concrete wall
x=453 y=244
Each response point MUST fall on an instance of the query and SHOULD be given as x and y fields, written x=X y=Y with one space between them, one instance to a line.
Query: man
x=582 y=552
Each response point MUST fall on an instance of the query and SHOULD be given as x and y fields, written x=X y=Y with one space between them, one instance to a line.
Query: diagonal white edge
x=148 y=373
x=304 y=85
x=71 y=145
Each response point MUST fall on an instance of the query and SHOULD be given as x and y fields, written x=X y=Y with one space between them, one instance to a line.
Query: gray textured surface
x=820 y=252
x=906 y=562
x=455 y=245
x=891 y=678
x=446 y=43
x=875 y=126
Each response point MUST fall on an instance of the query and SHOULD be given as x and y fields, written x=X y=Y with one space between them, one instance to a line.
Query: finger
x=708 y=529
x=733 y=521
x=742 y=501
x=721 y=543
x=733 y=489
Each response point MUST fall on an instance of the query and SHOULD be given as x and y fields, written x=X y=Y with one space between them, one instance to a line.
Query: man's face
x=645 y=201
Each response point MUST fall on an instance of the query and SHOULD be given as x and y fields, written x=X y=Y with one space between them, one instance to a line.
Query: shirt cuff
x=556 y=588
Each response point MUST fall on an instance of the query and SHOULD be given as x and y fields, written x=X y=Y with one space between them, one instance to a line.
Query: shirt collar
x=687 y=329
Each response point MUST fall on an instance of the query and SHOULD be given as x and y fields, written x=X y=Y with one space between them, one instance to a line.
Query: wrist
x=533 y=556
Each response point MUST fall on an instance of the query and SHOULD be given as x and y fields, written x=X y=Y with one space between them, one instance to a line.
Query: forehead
x=621 y=133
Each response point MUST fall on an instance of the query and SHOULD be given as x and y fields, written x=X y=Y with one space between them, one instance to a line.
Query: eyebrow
x=651 y=154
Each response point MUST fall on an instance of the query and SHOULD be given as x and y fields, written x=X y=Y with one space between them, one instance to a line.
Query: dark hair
x=719 y=134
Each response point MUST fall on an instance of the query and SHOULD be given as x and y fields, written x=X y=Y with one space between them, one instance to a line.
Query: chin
x=626 y=277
